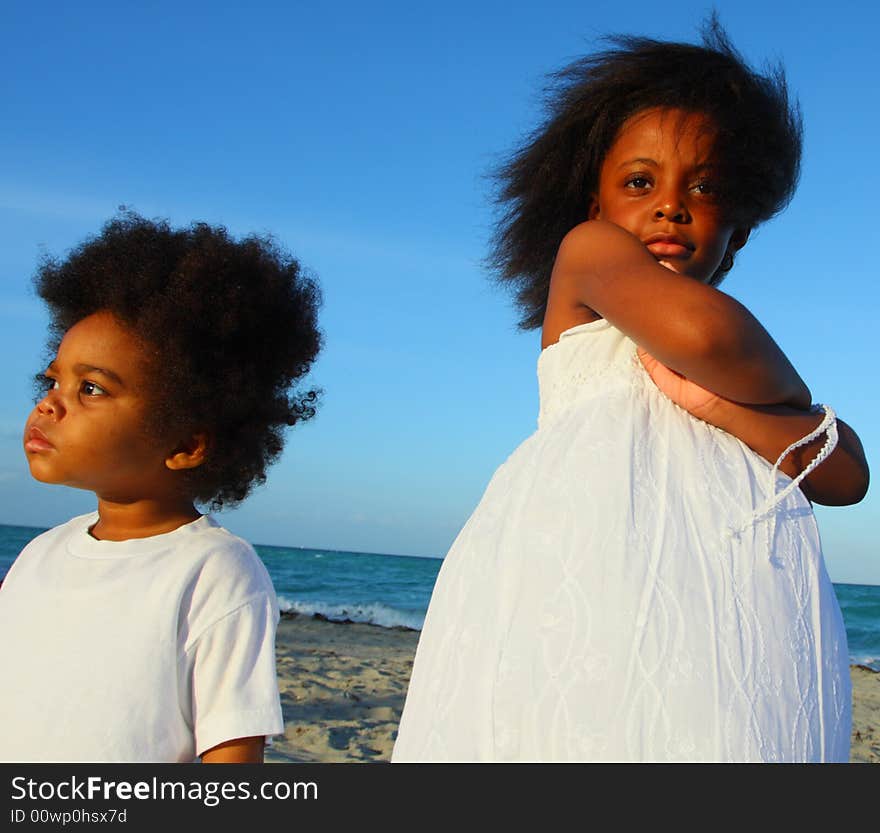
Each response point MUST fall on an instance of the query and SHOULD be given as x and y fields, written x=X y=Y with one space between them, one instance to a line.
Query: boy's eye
x=42 y=385
x=91 y=389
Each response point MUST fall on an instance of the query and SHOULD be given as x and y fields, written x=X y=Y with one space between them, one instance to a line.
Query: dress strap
x=827 y=426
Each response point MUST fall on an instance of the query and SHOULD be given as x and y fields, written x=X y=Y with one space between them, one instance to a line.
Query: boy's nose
x=50 y=404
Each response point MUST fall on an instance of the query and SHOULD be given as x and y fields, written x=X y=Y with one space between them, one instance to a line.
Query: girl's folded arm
x=693 y=328
x=842 y=479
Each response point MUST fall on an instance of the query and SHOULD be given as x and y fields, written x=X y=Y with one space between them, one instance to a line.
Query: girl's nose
x=671 y=208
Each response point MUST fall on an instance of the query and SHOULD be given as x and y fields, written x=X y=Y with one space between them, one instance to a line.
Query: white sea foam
x=872 y=662
x=371 y=614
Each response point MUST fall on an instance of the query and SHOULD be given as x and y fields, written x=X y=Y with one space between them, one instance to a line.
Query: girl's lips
x=36 y=440
x=666 y=248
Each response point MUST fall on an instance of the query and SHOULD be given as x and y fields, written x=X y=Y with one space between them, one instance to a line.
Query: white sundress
x=634 y=585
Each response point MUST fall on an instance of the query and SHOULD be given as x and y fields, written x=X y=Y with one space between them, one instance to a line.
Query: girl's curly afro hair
x=545 y=186
x=229 y=327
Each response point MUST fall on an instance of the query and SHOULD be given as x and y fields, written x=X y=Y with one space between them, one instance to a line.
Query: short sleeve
x=232 y=683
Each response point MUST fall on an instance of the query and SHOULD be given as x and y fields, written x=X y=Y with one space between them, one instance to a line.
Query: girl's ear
x=188 y=454
x=738 y=239
x=593 y=209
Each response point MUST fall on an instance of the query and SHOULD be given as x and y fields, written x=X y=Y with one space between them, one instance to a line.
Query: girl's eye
x=47 y=383
x=91 y=389
x=637 y=182
x=706 y=186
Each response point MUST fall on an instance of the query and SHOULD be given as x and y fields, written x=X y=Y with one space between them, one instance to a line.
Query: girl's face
x=89 y=430
x=659 y=182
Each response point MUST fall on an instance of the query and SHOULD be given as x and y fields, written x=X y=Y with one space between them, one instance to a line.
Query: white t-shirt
x=153 y=649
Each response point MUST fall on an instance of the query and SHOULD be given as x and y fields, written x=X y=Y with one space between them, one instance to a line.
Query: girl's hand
x=683 y=392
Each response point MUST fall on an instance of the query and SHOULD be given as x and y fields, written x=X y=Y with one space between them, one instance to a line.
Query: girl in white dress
x=643 y=578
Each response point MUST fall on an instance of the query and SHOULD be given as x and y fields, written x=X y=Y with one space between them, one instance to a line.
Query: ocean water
x=394 y=591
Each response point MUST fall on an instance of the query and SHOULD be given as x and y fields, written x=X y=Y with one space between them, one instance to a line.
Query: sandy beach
x=343 y=687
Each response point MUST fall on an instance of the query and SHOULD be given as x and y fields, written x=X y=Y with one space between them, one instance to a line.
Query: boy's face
x=89 y=430
x=658 y=182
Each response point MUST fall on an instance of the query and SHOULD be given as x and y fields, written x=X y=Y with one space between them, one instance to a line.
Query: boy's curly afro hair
x=230 y=327
x=545 y=186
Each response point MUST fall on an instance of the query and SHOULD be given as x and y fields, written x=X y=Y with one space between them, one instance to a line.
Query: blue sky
x=360 y=136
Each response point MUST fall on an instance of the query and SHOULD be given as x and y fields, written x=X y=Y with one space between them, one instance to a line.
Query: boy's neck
x=141 y=519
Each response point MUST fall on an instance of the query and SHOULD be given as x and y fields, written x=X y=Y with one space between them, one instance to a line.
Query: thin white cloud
x=56 y=205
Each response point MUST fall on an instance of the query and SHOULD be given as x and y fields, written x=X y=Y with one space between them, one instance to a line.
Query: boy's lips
x=36 y=440
x=668 y=245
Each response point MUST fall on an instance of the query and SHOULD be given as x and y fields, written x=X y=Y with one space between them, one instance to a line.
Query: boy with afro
x=176 y=356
